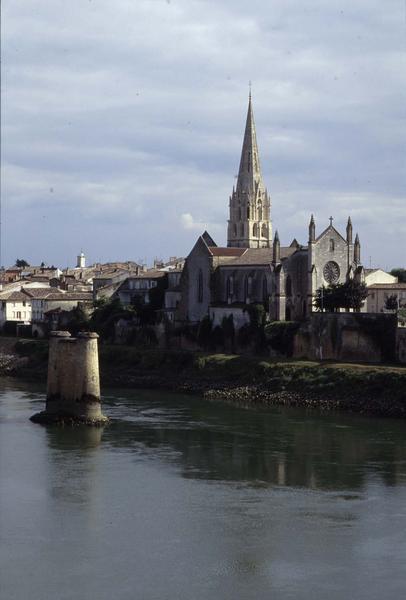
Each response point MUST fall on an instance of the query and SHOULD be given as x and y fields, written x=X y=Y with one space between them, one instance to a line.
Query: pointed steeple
x=249 y=173
x=250 y=222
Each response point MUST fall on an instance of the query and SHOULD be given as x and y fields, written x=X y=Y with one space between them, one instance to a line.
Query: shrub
x=280 y=336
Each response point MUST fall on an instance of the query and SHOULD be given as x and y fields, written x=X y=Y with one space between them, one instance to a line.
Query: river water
x=182 y=499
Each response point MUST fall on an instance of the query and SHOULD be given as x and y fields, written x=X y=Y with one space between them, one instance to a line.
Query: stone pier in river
x=73 y=389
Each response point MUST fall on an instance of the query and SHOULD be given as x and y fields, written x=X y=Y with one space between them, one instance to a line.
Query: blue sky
x=123 y=122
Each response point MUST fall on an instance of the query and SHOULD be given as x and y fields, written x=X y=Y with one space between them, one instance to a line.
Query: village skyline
x=122 y=126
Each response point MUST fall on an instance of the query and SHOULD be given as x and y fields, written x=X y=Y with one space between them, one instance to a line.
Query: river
x=182 y=499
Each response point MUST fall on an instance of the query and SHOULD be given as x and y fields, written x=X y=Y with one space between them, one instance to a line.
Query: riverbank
x=245 y=380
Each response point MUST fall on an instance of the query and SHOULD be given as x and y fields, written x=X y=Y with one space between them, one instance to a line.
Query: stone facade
x=284 y=279
x=73 y=386
x=349 y=337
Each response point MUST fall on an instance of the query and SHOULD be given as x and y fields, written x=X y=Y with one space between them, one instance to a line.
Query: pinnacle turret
x=349 y=231
x=312 y=230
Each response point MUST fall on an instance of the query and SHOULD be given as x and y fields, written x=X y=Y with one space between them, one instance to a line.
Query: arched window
x=249 y=161
x=331 y=245
x=247 y=287
x=264 y=289
x=260 y=211
x=255 y=230
x=235 y=230
x=248 y=211
x=200 y=286
x=239 y=213
x=242 y=229
x=288 y=286
x=230 y=286
x=264 y=230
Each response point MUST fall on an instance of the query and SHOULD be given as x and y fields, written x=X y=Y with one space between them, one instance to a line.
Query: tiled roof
x=216 y=251
x=152 y=274
x=260 y=256
x=388 y=286
x=14 y=296
x=71 y=296
x=41 y=293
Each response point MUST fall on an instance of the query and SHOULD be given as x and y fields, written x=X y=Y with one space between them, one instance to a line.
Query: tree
x=106 y=314
x=204 y=332
x=78 y=321
x=348 y=295
x=256 y=327
x=21 y=263
x=391 y=302
x=227 y=325
x=400 y=274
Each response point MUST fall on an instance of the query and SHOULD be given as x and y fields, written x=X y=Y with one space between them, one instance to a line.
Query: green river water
x=182 y=499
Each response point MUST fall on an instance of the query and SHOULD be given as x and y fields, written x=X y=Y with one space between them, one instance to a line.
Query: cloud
x=134 y=113
x=188 y=222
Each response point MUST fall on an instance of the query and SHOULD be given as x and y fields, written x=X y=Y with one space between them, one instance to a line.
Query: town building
x=255 y=266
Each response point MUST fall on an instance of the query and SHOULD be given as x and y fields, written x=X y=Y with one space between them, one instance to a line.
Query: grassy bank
x=361 y=388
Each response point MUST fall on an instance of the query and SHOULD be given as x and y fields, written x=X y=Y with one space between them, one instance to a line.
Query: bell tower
x=249 y=225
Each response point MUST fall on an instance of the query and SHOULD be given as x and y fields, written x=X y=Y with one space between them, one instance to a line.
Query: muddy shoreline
x=245 y=381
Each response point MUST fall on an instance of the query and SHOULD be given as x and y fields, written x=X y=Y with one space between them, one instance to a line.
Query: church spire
x=249 y=173
x=250 y=225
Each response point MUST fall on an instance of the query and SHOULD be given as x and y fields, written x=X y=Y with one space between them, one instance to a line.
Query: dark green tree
x=256 y=327
x=106 y=314
x=227 y=325
x=348 y=295
x=400 y=274
x=21 y=263
x=79 y=320
x=204 y=332
x=391 y=302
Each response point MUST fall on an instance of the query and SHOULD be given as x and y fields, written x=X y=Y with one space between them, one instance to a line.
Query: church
x=255 y=267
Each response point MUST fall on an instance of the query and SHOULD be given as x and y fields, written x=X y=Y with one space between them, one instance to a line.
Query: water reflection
x=282 y=447
x=179 y=498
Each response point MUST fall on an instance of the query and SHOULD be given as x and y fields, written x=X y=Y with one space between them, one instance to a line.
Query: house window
x=200 y=286
x=331 y=245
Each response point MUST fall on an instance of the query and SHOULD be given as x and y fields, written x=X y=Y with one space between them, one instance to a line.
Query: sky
x=122 y=123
